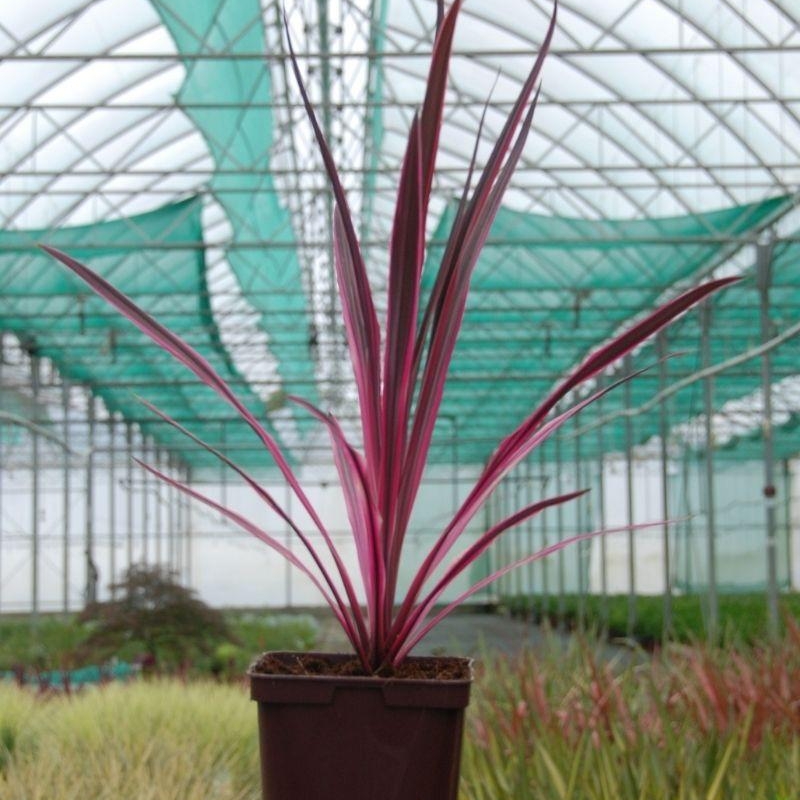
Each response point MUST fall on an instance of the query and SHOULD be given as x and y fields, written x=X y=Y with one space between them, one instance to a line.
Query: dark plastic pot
x=359 y=738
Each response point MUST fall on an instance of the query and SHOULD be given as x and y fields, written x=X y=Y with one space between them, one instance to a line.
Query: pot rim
x=366 y=680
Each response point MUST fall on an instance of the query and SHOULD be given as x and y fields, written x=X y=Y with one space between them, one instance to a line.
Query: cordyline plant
x=400 y=378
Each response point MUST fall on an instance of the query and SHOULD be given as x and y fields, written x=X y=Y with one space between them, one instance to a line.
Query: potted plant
x=380 y=723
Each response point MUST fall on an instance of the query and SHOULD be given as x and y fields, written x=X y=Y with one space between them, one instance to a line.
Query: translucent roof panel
x=650 y=109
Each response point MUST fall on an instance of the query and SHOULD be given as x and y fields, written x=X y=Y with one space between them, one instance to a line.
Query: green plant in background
x=151 y=612
x=54 y=644
x=742 y=617
x=65 y=642
x=695 y=723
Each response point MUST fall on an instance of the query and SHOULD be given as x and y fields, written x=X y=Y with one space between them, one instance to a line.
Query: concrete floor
x=471 y=634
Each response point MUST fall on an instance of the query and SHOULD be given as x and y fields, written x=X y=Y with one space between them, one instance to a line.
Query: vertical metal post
x=2 y=363
x=454 y=474
x=516 y=532
x=171 y=559
x=708 y=408
x=129 y=495
x=663 y=431
x=288 y=507
x=112 y=501
x=157 y=512
x=34 y=366
x=601 y=512
x=487 y=523
x=222 y=469
x=143 y=477
x=764 y=278
x=787 y=501
x=530 y=544
x=579 y=519
x=502 y=546
x=688 y=532
x=67 y=499
x=188 y=530
x=90 y=586
x=178 y=531
x=560 y=533
x=630 y=504
x=545 y=537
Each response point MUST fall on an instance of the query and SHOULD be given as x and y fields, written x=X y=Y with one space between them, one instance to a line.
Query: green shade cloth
x=239 y=140
x=158 y=260
x=547 y=291
x=734 y=327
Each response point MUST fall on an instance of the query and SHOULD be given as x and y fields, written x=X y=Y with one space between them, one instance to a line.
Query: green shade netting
x=734 y=328
x=547 y=290
x=158 y=260
x=239 y=140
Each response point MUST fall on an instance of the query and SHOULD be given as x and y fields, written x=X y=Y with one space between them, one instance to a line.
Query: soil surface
x=442 y=669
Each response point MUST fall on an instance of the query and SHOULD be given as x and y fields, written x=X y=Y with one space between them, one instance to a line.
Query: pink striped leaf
x=269 y=500
x=445 y=334
x=361 y=512
x=433 y=105
x=483 y=488
x=187 y=356
x=271 y=542
x=407 y=254
x=614 y=350
x=465 y=221
x=475 y=551
x=423 y=630
x=358 y=310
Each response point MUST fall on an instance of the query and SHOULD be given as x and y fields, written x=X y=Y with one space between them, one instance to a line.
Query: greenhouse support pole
x=66 y=498
x=454 y=473
x=764 y=279
x=34 y=367
x=688 y=527
x=223 y=490
x=630 y=503
x=708 y=410
x=288 y=566
x=129 y=495
x=112 y=502
x=530 y=545
x=487 y=523
x=158 y=457
x=188 y=528
x=498 y=506
x=545 y=604
x=90 y=586
x=172 y=536
x=663 y=432
x=145 y=500
x=580 y=548
x=502 y=542
x=517 y=531
x=601 y=512
x=787 y=493
x=562 y=608
x=2 y=362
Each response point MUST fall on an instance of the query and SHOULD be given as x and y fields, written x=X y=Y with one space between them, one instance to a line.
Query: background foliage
x=571 y=723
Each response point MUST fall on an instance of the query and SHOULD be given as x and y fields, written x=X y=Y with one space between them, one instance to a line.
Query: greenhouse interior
x=164 y=143
x=400 y=399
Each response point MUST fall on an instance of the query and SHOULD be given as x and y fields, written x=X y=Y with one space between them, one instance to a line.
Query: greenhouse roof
x=163 y=142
